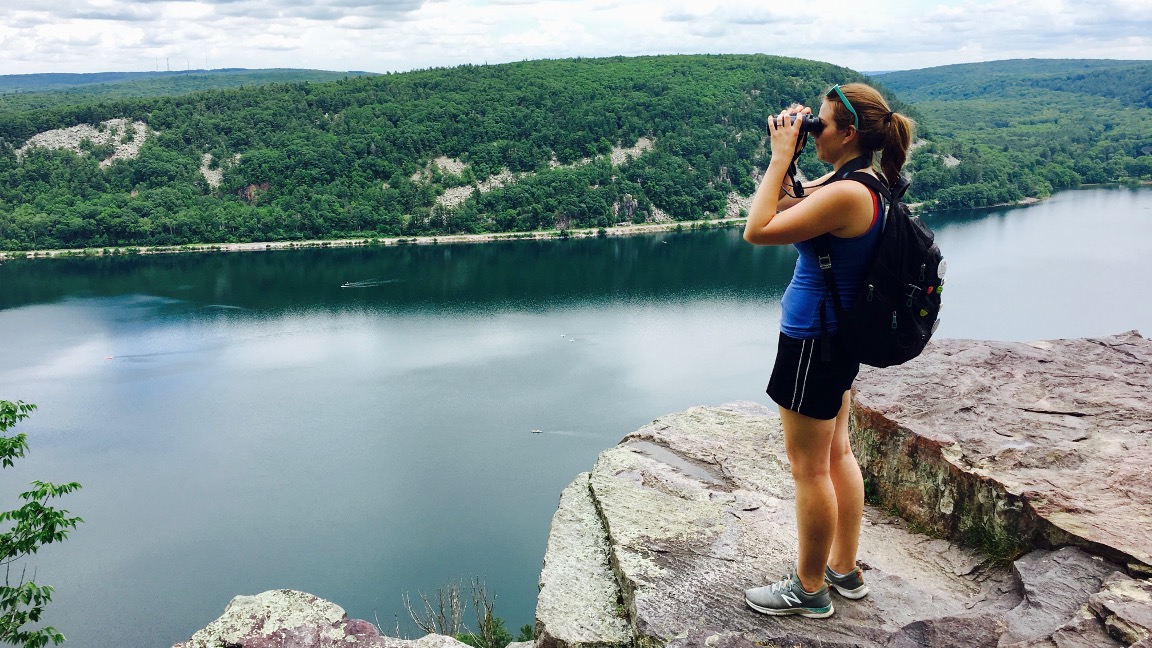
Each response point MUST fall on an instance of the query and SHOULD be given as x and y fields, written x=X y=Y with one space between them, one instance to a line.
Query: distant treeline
x=1002 y=131
x=352 y=157
x=23 y=92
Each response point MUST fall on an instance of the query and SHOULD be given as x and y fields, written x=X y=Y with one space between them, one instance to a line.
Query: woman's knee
x=810 y=469
x=841 y=453
x=807 y=442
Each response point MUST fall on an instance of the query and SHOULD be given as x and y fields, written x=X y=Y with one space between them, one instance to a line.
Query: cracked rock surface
x=698 y=506
x=1048 y=442
x=687 y=512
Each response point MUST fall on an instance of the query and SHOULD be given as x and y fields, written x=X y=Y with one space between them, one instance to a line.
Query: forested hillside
x=354 y=157
x=1001 y=131
x=532 y=145
x=22 y=92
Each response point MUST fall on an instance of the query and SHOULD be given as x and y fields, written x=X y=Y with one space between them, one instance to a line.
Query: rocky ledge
x=1039 y=448
x=1010 y=509
x=1044 y=443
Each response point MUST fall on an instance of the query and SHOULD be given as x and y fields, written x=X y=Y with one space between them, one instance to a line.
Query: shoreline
x=374 y=241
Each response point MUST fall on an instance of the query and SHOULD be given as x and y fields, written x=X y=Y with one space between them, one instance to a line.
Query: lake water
x=242 y=422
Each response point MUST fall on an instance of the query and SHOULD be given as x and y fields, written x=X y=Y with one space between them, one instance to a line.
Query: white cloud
x=274 y=42
x=386 y=35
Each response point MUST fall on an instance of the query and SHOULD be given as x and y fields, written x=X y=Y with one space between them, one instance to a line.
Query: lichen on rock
x=292 y=619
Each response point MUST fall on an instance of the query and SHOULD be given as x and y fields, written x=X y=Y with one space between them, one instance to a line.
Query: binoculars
x=810 y=123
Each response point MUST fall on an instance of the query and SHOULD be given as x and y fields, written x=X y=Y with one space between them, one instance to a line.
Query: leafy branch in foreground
x=24 y=531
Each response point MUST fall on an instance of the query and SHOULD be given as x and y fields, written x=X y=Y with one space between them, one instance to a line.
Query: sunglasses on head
x=837 y=92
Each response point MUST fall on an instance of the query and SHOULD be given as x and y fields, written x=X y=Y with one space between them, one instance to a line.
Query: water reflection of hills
x=506 y=274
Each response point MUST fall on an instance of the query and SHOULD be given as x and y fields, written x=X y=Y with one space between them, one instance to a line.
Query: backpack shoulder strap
x=823 y=246
x=853 y=170
x=874 y=183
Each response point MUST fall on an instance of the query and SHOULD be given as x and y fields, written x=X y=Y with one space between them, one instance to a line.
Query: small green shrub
x=22 y=532
x=1000 y=546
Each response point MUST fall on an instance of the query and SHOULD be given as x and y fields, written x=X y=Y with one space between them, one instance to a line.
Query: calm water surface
x=242 y=422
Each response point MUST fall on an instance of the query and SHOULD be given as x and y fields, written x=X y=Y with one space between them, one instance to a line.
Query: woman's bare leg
x=849 y=486
x=808 y=442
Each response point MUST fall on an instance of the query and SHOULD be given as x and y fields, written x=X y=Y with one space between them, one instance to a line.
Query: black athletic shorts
x=802 y=381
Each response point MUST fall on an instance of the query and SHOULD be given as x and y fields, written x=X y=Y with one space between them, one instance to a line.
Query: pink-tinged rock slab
x=1125 y=606
x=1047 y=442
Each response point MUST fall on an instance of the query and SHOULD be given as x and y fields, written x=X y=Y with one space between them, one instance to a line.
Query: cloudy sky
x=396 y=35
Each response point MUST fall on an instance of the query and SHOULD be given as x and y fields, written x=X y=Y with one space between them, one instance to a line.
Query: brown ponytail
x=880 y=129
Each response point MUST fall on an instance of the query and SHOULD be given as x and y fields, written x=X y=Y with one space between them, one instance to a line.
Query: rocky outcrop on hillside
x=453 y=197
x=212 y=170
x=125 y=139
x=657 y=543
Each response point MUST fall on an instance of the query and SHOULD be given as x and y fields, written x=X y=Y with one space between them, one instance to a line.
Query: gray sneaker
x=850 y=586
x=788 y=597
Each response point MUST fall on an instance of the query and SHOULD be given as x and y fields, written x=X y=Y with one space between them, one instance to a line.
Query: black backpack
x=897 y=306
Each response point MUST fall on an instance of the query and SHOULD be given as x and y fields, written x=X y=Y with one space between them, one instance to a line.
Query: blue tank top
x=801 y=303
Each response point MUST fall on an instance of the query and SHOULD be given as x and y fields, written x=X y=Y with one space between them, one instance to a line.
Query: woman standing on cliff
x=812 y=377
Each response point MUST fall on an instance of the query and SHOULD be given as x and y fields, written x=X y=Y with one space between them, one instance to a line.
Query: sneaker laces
x=781 y=586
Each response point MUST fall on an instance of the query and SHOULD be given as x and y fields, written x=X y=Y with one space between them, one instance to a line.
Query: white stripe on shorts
x=801 y=385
